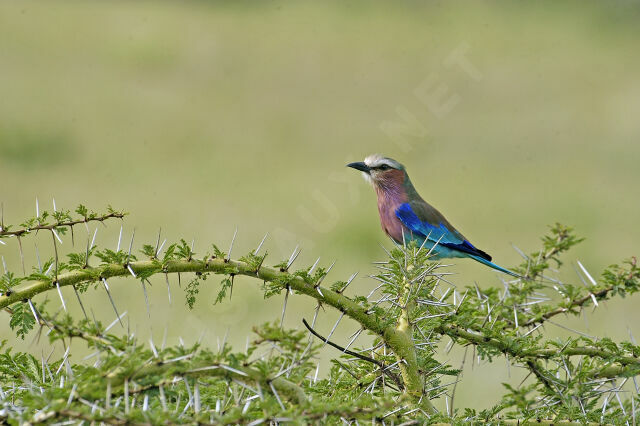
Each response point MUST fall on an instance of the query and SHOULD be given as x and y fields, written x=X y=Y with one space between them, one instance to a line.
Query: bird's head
x=381 y=172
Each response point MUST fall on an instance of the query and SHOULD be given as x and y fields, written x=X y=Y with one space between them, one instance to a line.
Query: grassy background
x=198 y=117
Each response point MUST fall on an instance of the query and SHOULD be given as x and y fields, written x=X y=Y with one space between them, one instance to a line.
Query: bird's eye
x=384 y=167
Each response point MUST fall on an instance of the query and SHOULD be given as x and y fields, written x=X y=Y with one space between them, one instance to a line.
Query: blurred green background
x=198 y=117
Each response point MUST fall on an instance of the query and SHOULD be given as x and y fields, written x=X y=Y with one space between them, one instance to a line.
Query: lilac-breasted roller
x=404 y=215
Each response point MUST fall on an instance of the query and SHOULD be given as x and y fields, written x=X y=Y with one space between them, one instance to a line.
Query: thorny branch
x=64 y=224
x=380 y=364
x=417 y=308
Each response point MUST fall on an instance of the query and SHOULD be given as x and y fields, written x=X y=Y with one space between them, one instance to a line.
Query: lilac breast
x=388 y=202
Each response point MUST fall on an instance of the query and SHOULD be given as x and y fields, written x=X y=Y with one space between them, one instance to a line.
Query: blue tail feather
x=494 y=266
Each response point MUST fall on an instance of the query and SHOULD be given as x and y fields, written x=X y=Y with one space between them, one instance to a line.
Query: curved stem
x=398 y=340
x=541 y=353
x=242 y=374
x=218 y=266
x=380 y=364
x=67 y=224
x=576 y=303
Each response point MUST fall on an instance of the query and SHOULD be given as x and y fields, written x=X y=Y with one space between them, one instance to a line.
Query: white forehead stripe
x=376 y=160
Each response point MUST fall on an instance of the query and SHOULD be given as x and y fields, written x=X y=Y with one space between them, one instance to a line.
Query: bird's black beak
x=360 y=166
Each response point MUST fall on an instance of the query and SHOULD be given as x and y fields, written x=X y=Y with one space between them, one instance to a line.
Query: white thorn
x=153 y=347
x=93 y=240
x=131 y=270
x=146 y=299
x=261 y=242
x=119 y=239
x=160 y=249
x=33 y=309
x=115 y=321
x=196 y=396
x=587 y=274
x=56 y=235
x=293 y=257
x=133 y=234
x=333 y=329
x=64 y=305
x=314 y=266
x=233 y=239
x=166 y=276
x=284 y=307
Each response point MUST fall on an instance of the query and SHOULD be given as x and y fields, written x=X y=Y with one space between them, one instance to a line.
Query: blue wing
x=425 y=222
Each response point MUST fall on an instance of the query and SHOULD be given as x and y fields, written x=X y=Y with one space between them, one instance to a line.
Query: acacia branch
x=147 y=268
x=575 y=303
x=380 y=364
x=242 y=374
x=68 y=224
x=397 y=341
x=328 y=296
x=397 y=336
x=456 y=332
x=69 y=332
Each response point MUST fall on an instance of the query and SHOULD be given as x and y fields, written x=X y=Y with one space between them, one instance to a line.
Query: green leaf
x=22 y=320
x=9 y=280
x=109 y=256
x=226 y=284
x=192 y=289
x=148 y=250
x=217 y=252
x=82 y=210
x=184 y=251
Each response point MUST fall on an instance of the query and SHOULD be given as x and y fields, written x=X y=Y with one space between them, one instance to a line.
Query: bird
x=405 y=216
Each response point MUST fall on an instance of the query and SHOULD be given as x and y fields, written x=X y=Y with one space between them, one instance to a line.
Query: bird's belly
x=392 y=227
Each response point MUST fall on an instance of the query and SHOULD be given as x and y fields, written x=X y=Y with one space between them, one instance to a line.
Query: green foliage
x=22 y=319
x=217 y=252
x=8 y=280
x=225 y=284
x=183 y=251
x=272 y=288
x=40 y=274
x=80 y=260
x=559 y=240
x=148 y=250
x=338 y=286
x=108 y=256
x=19 y=366
x=251 y=259
x=393 y=377
x=192 y=289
